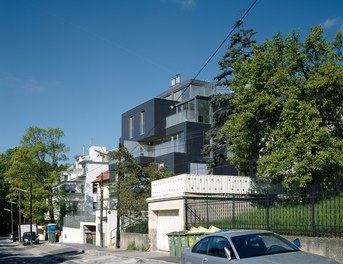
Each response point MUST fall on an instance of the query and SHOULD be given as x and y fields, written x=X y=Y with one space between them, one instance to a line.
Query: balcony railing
x=208 y=184
x=180 y=117
x=137 y=149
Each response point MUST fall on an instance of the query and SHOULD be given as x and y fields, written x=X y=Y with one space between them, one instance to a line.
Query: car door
x=216 y=251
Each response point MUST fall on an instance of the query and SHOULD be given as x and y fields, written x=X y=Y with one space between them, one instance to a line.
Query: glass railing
x=137 y=149
x=180 y=117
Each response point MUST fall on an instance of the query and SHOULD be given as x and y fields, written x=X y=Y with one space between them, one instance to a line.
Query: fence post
x=207 y=214
x=233 y=212
x=312 y=210
x=186 y=214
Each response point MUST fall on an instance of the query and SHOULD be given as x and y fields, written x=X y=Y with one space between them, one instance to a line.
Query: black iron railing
x=311 y=212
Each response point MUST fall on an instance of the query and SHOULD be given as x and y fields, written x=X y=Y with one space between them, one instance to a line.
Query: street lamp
x=11 y=213
x=20 y=190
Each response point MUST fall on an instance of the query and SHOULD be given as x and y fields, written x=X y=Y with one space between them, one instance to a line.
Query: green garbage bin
x=177 y=244
x=184 y=242
x=171 y=244
x=52 y=236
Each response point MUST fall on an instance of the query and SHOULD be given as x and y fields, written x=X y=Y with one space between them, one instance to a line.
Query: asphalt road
x=52 y=253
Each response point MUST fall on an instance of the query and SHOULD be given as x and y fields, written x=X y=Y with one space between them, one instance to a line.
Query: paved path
x=91 y=250
x=53 y=253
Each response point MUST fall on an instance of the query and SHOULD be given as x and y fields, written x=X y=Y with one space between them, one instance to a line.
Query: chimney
x=176 y=79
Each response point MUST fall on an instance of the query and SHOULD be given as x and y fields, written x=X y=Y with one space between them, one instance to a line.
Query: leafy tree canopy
x=240 y=49
x=287 y=109
x=37 y=161
x=133 y=182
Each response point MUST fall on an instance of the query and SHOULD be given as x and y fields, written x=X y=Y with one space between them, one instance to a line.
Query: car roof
x=239 y=232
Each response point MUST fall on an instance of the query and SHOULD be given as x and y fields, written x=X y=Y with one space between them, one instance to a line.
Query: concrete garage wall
x=328 y=247
x=139 y=239
x=165 y=216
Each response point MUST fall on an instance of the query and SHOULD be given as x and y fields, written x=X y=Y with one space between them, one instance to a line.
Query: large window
x=142 y=125
x=131 y=127
x=198 y=168
x=203 y=111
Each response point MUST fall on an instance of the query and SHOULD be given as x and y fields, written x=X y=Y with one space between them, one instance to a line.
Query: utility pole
x=31 y=213
x=101 y=210
x=119 y=178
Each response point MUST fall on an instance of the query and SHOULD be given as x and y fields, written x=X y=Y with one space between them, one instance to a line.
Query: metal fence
x=73 y=221
x=310 y=212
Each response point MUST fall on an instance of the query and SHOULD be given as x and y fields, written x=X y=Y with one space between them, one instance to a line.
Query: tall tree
x=38 y=161
x=4 y=191
x=240 y=49
x=133 y=182
x=287 y=109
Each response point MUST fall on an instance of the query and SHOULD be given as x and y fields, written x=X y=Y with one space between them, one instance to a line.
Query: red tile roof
x=105 y=177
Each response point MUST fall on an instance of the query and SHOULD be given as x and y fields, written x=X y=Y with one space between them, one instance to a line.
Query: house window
x=95 y=188
x=142 y=123
x=198 y=168
x=131 y=127
x=95 y=205
x=203 y=111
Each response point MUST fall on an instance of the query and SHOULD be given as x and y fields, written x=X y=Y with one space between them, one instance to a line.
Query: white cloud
x=186 y=4
x=11 y=82
x=332 y=22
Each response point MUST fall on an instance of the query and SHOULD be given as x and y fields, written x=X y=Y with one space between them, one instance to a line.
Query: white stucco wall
x=109 y=227
x=165 y=216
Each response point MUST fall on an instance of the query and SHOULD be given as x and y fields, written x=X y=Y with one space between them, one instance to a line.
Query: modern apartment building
x=170 y=129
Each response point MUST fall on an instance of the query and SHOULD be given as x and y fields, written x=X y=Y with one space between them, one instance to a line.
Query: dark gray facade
x=171 y=129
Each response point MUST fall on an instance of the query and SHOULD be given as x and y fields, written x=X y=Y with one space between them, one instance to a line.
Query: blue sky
x=78 y=65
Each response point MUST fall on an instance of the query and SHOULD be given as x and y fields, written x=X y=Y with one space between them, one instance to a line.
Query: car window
x=201 y=246
x=217 y=245
x=253 y=245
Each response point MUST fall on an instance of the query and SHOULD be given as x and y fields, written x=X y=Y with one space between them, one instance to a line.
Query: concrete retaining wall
x=141 y=240
x=328 y=247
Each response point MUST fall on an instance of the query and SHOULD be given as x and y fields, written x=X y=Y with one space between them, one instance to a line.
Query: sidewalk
x=147 y=257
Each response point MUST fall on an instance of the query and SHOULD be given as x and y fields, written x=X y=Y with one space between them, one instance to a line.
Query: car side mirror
x=227 y=253
x=297 y=242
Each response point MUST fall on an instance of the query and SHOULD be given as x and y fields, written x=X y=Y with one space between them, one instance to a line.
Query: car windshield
x=27 y=234
x=253 y=245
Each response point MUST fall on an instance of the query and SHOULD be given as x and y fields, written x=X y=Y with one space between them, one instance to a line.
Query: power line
x=219 y=47
x=222 y=43
x=237 y=24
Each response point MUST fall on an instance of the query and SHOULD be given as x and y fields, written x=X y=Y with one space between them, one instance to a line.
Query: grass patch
x=132 y=246
x=322 y=218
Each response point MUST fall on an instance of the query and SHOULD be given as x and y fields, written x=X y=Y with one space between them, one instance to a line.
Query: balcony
x=138 y=149
x=180 y=117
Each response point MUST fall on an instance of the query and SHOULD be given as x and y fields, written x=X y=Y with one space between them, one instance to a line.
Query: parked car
x=248 y=246
x=26 y=238
x=14 y=236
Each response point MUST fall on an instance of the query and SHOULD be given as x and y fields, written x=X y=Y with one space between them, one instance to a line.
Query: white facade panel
x=202 y=184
